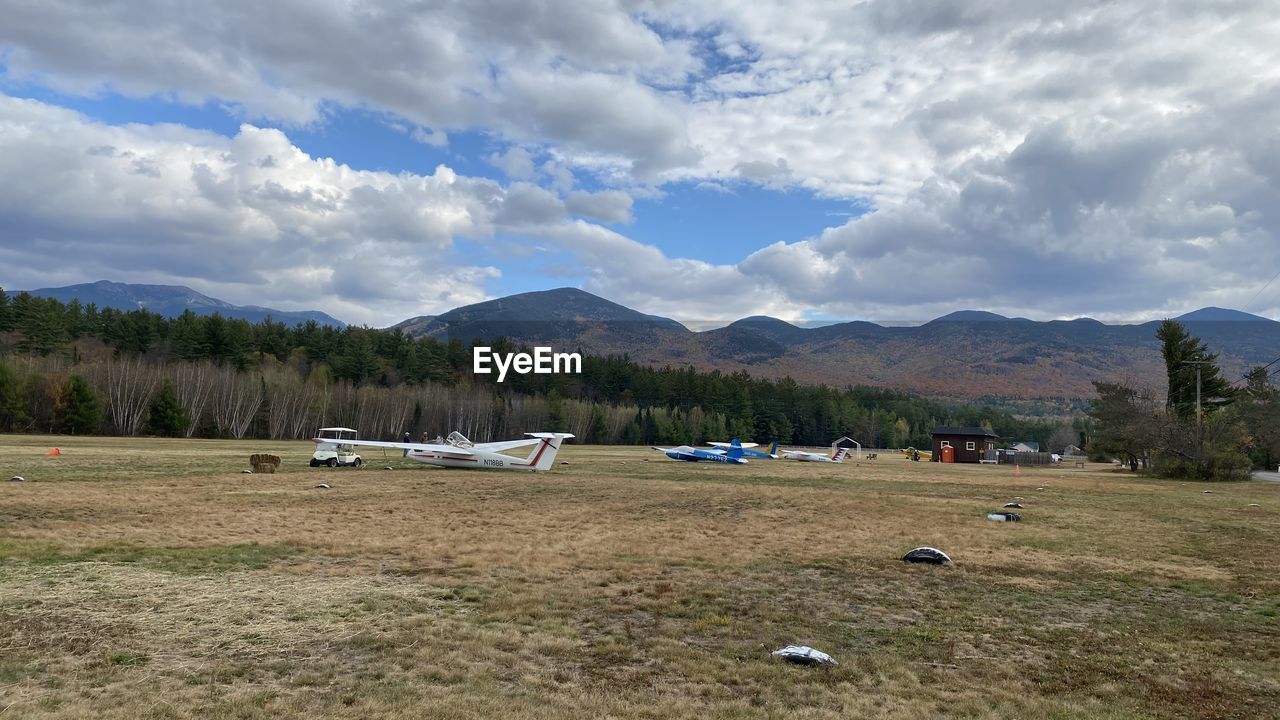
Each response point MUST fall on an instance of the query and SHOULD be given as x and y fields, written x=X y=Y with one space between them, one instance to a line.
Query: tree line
x=67 y=367
x=1204 y=427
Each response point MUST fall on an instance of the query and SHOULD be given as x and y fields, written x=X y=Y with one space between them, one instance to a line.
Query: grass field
x=151 y=579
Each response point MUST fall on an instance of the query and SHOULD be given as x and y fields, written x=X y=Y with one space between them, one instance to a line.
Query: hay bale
x=264 y=463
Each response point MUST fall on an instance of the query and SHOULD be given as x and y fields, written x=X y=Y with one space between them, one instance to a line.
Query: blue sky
x=704 y=162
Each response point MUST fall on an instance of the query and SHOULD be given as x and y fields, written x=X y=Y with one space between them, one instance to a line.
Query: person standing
x=407 y=439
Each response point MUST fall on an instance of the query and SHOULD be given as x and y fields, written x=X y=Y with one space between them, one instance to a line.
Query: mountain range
x=1037 y=367
x=172 y=301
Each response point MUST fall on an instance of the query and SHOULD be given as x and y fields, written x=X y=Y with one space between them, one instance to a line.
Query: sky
x=889 y=160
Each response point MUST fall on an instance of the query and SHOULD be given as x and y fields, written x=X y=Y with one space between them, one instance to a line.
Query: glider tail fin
x=545 y=455
x=840 y=455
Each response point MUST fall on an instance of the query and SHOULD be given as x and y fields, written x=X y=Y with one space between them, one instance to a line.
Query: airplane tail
x=840 y=455
x=773 y=449
x=545 y=456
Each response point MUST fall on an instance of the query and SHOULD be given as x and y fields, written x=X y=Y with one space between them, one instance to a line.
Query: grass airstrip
x=144 y=578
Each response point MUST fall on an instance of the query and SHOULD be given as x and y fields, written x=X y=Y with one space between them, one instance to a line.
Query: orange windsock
x=54 y=451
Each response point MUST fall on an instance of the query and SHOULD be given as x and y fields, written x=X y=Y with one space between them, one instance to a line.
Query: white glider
x=837 y=456
x=458 y=452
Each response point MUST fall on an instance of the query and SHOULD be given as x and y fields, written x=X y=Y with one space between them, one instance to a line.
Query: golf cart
x=332 y=451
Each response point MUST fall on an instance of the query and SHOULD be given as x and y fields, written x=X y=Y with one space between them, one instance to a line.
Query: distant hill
x=971 y=316
x=966 y=355
x=172 y=301
x=1217 y=314
x=567 y=316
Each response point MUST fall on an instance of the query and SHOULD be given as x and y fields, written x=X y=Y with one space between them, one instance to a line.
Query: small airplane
x=686 y=453
x=458 y=452
x=746 y=449
x=837 y=456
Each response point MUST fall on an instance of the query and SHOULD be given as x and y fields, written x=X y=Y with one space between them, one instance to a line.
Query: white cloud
x=612 y=206
x=535 y=71
x=1114 y=158
x=427 y=136
x=516 y=162
x=249 y=218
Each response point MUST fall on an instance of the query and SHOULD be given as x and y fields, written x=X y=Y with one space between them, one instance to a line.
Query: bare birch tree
x=288 y=403
x=127 y=384
x=193 y=384
x=236 y=399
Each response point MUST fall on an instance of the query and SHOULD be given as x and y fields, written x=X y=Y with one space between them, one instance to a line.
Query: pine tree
x=1183 y=355
x=6 y=312
x=166 y=416
x=81 y=411
x=9 y=397
x=42 y=326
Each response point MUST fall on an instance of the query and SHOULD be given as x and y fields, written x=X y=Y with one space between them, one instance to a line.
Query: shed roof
x=982 y=432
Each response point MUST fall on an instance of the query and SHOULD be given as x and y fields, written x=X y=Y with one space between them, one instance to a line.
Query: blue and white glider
x=746 y=450
x=692 y=454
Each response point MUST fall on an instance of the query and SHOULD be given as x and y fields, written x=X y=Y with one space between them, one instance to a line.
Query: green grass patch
x=128 y=659
x=184 y=560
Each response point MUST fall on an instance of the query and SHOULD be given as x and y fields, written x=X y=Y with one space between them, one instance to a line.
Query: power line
x=1246 y=307
x=1264 y=367
x=1260 y=291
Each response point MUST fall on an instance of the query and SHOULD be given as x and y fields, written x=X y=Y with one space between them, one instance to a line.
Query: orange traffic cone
x=1017 y=470
x=54 y=451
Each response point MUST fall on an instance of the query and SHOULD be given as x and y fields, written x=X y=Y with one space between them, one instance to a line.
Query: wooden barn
x=969 y=444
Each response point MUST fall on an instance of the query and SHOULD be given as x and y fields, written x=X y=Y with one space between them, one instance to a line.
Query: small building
x=971 y=443
x=1072 y=451
x=1025 y=446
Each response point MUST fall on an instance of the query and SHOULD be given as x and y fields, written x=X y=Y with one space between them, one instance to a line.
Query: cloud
x=613 y=206
x=250 y=218
x=535 y=71
x=1124 y=223
x=1117 y=159
x=516 y=162
x=642 y=276
x=427 y=136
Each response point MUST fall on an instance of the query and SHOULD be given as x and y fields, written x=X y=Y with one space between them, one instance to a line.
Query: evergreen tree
x=42 y=326
x=187 y=339
x=165 y=415
x=1184 y=356
x=1259 y=410
x=9 y=397
x=81 y=411
x=6 y=312
x=598 y=430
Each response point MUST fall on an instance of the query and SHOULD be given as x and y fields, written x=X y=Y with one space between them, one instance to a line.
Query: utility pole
x=1197 y=363
x=1199 y=415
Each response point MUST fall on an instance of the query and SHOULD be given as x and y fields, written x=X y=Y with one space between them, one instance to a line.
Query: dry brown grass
x=149 y=578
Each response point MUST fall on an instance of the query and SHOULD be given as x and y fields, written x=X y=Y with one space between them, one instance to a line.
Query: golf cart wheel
x=359 y=462
x=333 y=462
x=315 y=463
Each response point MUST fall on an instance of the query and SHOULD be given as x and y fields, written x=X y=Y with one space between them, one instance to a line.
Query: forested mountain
x=1031 y=368
x=234 y=378
x=1036 y=367
x=173 y=300
x=565 y=314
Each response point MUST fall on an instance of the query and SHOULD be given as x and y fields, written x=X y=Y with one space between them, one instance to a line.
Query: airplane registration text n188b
x=458 y=452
